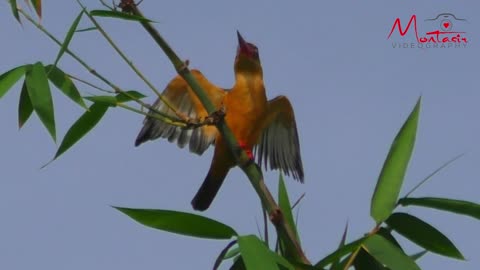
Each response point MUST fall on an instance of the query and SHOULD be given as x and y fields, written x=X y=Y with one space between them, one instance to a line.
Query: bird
x=264 y=127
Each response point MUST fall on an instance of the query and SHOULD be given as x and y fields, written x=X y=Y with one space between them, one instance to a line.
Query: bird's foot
x=211 y=120
x=128 y=6
x=247 y=150
x=215 y=117
x=184 y=66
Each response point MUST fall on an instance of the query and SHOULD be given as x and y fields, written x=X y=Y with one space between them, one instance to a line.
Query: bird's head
x=247 y=59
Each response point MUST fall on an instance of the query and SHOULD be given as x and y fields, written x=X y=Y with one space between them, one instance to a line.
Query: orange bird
x=266 y=126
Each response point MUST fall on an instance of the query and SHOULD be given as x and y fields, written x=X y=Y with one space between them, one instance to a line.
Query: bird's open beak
x=242 y=44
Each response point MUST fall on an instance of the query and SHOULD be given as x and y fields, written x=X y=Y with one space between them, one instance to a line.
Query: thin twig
x=297 y=216
x=434 y=173
x=89 y=84
x=298 y=201
x=258 y=229
x=155 y=115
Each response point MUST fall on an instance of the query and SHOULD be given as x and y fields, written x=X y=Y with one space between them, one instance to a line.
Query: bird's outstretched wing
x=181 y=96
x=279 y=143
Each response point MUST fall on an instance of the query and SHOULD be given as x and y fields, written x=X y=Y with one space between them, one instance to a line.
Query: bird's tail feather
x=210 y=187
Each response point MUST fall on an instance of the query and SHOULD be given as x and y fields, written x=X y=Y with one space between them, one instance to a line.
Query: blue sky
x=351 y=92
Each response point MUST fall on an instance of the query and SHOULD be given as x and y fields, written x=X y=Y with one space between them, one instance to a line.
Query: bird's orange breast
x=246 y=106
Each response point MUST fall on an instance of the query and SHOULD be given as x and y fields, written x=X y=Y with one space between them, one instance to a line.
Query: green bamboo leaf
x=107 y=100
x=423 y=234
x=25 y=107
x=344 y=236
x=388 y=254
x=388 y=186
x=233 y=252
x=119 y=15
x=86 y=29
x=129 y=95
x=455 y=206
x=113 y=101
x=13 y=5
x=365 y=261
x=37 y=4
x=339 y=253
x=9 y=78
x=282 y=263
x=285 y=206
x=180 y=223
x=255 y=253
x=343 y=263
x=418 y=255
x=302 y=266
x=238 y=264
x=39 y=92
x=336 y=263
x=64 y=84
x=387 y=234
x=68 y=37
x=81 y=127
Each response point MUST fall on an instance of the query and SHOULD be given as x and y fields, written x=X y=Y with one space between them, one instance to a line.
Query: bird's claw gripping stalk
x=216 y=117
x=247 y=150
x=211 y=120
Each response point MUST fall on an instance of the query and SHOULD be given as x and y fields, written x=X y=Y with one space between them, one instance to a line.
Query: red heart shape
x=446 y=25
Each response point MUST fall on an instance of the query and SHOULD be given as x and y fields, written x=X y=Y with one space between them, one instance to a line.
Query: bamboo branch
x=161 y=117
x=251 y=169
x=89 y=84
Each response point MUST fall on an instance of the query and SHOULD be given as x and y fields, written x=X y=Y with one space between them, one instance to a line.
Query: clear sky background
x=351 y=92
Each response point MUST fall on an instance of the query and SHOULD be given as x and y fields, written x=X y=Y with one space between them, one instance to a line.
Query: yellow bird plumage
x=266 y=126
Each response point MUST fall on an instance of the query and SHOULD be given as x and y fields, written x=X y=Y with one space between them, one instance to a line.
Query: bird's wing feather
x=279 y=145
x=181 y=97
